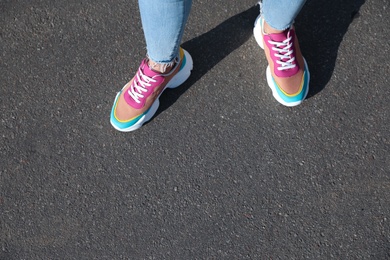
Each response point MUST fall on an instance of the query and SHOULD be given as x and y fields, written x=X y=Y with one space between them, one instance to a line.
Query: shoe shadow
x=321 y=27
x=210 y=48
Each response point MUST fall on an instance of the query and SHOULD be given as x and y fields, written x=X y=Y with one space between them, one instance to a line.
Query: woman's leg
x=166 y=66
x=280 y=14
x=163 y=22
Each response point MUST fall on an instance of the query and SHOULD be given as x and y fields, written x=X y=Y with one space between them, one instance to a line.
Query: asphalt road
x=222 y=171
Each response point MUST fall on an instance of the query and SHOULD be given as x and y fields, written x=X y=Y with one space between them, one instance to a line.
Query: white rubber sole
x=257 y=32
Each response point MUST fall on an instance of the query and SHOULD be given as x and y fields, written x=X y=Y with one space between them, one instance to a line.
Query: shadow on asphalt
x=321 y=27
x=210 y=48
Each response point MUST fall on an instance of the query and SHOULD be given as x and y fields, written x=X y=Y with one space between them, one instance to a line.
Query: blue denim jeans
x=163 y=22
x=280 y=14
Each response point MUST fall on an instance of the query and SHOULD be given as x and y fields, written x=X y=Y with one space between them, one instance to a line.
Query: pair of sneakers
x=287 y=76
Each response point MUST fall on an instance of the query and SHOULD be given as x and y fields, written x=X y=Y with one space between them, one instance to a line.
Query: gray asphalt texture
x=222 y=171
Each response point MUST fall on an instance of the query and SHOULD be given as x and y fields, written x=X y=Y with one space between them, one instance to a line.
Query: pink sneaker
x=137 y=102
x=287 y=72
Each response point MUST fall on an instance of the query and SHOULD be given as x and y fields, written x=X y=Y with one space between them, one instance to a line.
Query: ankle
x=160 y=67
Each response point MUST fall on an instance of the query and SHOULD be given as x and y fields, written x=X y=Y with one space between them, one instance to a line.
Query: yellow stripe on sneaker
x=300 y=87
x=123 y=121
x=181 y=53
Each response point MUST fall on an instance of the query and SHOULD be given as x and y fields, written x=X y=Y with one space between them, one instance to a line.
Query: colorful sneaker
x=138 y=100
x=287 y=72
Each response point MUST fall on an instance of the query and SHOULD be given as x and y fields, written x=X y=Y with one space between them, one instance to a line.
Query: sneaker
x=287 y=71
x=138 y=100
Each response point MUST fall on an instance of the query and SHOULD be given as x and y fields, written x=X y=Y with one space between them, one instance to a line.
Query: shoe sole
x=181 y=76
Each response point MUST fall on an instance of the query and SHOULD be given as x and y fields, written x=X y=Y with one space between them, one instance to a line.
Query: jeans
x=163 y=22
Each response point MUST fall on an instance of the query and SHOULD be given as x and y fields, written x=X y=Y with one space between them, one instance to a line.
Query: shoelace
x=284 y=53
x=139 y=85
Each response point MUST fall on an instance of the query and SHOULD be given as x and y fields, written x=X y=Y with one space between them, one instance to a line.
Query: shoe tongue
x=149 y=71
x=279 y=37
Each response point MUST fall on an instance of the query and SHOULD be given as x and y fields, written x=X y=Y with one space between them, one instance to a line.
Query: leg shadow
x=210 y=48
x=321 y=27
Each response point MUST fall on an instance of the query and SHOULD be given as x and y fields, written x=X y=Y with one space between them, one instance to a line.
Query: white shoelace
x=284 y=53
x=139 y=85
